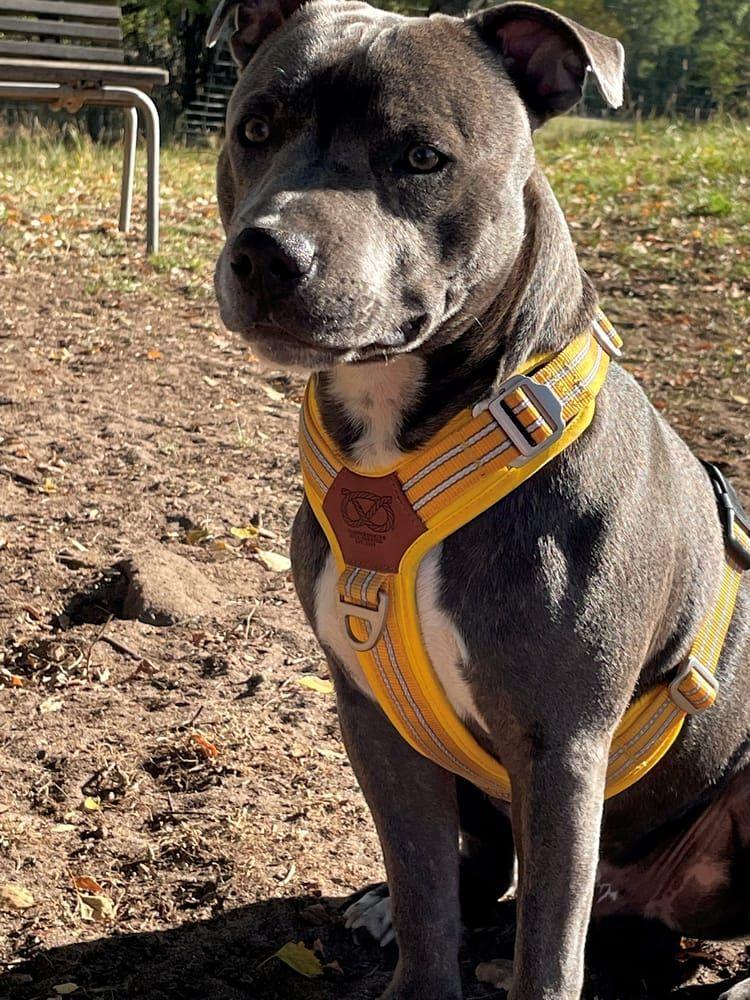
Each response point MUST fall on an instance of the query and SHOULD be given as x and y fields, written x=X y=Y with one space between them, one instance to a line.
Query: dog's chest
x=375 y=400
x=443 y=642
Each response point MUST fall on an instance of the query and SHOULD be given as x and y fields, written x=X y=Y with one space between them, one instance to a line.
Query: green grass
x=61 y=200
x=643 y=192
x=670 y=183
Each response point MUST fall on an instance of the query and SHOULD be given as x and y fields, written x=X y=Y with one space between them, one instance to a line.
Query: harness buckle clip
x=374 y=619
x=545 y=400
x=692 y=664
x=732 y=515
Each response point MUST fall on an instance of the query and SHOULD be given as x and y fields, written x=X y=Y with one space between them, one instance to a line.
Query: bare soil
x=159 y=747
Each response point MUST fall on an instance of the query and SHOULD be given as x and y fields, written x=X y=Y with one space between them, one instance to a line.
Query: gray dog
x=388 y=227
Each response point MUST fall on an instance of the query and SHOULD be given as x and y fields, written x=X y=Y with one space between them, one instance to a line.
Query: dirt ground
x=174 y=796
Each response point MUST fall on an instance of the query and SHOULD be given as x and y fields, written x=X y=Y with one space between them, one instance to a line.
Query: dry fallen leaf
x=96 y=908
x=273 y=561
x=316 y=684
x=50 y=705
x=87 y=884
x=14 y=897
x=207 y=748
x=272 y=393
x=64 y=988
x=197 y=535
x=300 y=958
x=245 y=532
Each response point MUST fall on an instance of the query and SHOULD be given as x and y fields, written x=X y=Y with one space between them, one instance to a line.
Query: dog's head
x=371 y=184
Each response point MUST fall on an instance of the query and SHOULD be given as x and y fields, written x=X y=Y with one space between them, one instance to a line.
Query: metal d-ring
x=373 y=619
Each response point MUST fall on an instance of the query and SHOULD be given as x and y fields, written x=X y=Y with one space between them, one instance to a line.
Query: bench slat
x=61 y=8
x=64 y=29
x=42 y=50
x=36 y=71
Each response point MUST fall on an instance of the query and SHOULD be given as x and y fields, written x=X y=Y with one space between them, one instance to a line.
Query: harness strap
x=381 y=523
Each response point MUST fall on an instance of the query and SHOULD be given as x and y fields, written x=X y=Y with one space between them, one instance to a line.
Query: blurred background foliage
x=684 y=57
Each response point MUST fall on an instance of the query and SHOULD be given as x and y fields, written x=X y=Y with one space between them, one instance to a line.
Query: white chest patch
x=443 y=642
x=376 y=397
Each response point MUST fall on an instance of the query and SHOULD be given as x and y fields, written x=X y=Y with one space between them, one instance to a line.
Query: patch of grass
x=651 y=194
x=675 y=198
x=60 y=199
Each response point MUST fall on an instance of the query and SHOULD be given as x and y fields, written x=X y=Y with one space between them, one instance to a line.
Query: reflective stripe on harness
x=380 y=525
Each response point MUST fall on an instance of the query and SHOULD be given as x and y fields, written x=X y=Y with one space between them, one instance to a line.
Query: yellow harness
x=380 y=524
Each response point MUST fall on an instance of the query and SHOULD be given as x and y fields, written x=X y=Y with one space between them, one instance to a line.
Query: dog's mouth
x=278 y=342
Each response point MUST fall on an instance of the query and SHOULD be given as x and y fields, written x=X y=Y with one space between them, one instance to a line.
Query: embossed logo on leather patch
x=361 y=509
x=373 y=521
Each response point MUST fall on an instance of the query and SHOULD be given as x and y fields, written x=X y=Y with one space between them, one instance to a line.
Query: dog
x=387 y=227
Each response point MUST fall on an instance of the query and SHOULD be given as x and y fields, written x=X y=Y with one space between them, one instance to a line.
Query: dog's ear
x=254 y=20
x=547 y=56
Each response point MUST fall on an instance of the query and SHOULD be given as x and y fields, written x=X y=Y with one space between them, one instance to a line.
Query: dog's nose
x=270 y=259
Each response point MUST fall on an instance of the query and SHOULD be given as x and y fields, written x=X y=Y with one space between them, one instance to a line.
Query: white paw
x=740 y=991
x=498 y=973
x=373 y=913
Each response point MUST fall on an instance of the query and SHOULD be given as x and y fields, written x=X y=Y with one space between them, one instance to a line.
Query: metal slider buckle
x=690 y=665
x=549 y=406
x=374 y=619
x=604 y=340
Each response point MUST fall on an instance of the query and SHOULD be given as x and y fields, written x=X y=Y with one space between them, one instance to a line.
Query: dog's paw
x=372 y=912
x=740 y=991
x=497 y=973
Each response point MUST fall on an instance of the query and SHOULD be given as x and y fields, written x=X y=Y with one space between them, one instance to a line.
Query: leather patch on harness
x=373 y=521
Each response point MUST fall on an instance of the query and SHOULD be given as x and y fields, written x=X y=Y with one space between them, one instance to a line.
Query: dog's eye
x=423 y=159
x=254 y=131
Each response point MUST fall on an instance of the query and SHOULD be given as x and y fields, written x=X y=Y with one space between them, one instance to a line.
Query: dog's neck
x=376 y=412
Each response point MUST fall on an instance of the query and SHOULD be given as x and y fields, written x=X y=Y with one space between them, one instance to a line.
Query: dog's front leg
x=413 y=803
x=558 y=795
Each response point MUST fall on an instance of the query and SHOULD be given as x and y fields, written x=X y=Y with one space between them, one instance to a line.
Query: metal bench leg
x=131 y=97
x=128 y=98
x=128 y=168
x=153 y=140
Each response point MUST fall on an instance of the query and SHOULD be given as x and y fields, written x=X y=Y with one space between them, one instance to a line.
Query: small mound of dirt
x=164 y=588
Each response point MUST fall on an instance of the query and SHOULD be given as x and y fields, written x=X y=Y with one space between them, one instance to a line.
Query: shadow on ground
x=227 y=958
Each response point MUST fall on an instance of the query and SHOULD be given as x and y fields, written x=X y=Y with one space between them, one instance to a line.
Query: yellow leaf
x=273 y=561
x=742 y=400
x=49 y=486
x=14 y=897
x=301 y=959
x=248 y=531
x=92 y=805
x=197 y=535
x=64 y=988
x=98 y=908
x=316 y=684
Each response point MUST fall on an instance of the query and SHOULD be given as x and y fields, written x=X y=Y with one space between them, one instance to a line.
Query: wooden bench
x=67 y=54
